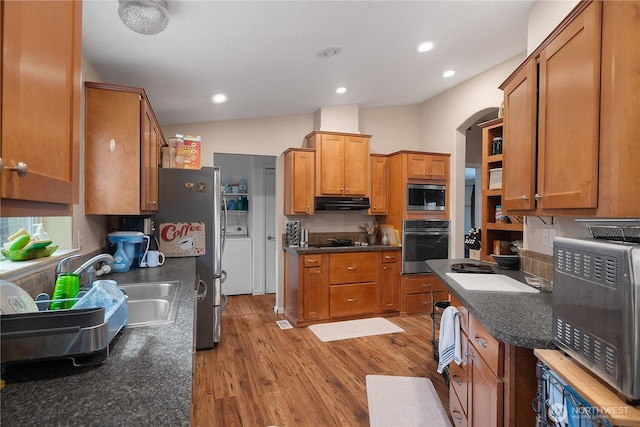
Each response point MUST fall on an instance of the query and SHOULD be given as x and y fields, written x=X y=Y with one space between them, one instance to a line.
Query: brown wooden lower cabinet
x=416 y=293
x=339 y=286
x=495 y=383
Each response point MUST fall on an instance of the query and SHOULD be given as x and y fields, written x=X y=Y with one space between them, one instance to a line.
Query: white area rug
x=354 y=328
x=404 y=402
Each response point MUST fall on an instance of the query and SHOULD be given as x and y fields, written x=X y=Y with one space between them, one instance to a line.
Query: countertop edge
x=508 y=317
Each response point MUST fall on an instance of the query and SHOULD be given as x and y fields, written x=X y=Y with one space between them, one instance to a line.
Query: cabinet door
x=315 y=299
x=112 y=153
x=299 y=182
x=331 y=162
x=486 y=403
x=389 y=287
x=41 y=56
x=438 y=167
x=379 y=185
x=519 y=141
x=150 y=148
x=417 y=167
x=356 y=164
x=568 y=120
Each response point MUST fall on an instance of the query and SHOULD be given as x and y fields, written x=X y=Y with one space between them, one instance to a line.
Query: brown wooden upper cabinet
x=299 y=181
x=40 y=111
x=342 y=163
x=579 y=159
x=379 y=184
x=427 y=166
x=123 y=141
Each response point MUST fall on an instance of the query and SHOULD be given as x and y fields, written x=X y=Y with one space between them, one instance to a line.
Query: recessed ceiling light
x=425 y=46
x=219 y=98
x=329 y=52
x=448 y=73
x=341 y=90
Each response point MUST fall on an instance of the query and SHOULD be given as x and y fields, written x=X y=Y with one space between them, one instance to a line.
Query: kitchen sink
x=152 y=303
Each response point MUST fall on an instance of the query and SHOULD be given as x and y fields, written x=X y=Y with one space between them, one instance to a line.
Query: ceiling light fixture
x=329 y=52
x=144 y=16
x=219 y=98
x=448 y=73
x=425 y=47
x=341 y=90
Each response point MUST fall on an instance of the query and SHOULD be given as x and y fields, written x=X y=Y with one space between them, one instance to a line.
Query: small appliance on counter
x=596 y=308
x=129 y=249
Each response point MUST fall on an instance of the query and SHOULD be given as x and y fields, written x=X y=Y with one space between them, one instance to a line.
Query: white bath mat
x=354 y=328
x=404 y=402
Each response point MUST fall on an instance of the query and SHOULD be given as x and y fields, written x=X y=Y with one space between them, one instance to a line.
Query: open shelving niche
x=491 y=230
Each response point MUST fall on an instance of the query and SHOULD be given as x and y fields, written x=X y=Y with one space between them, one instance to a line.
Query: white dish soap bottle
x=40 y=233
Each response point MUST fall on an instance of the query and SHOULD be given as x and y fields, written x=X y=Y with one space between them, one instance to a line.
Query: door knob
x=21 y=169
x=271 y=238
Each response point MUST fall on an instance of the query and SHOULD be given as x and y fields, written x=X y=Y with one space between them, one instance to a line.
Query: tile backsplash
x=536 y=263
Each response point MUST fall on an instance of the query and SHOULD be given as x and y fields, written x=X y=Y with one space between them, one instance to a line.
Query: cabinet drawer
x=347 y=300
x=354 y=267
x=457 y=413
x=464 y=313
x=389 y=256
x=459 y=384
x=490 y=349
x=314 y=260
x=413 y=284
x=417 y=303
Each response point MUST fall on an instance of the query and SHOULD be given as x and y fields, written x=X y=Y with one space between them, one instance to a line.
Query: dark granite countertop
x=520 y=319
x=146 y=380
x=340 y=249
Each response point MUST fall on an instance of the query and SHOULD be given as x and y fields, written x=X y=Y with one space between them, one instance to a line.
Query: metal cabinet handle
x=524 y=197
x=352 y=268
x=481 y=341
x=21 y=169
x=318 y=272
x=425 y=285
x=425 y=302
x=456 y=415
x=352 y=299
x=384 y=268
x=537 y=196
x=311 y=260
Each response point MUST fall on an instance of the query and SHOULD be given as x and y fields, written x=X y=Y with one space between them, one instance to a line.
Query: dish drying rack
x=81 y=335
x=557 y=404
x=437 y=308
x=623 y=230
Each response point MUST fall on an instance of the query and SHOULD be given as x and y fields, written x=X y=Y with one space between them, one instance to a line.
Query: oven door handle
x=427 y=233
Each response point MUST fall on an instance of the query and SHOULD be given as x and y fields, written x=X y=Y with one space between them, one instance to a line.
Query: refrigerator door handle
x=224 y=228
x=202 y=295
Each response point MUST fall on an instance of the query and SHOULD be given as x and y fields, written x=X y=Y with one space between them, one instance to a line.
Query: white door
x=270 y=261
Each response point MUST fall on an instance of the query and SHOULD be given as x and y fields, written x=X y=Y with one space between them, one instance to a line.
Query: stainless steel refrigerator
x=195 y=196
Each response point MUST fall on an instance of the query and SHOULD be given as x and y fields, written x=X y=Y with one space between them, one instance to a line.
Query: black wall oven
x=422 y=240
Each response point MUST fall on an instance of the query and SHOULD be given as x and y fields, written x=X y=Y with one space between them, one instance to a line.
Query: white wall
x=544 y=17
x=443 y=122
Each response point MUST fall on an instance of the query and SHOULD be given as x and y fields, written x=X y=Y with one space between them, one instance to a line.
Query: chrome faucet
x=89 y=267
x=63 y=264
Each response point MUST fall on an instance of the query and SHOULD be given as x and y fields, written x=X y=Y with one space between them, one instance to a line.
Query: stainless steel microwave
x=426 y=197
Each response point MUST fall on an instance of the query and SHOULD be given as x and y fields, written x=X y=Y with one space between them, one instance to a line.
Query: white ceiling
x=264 y=55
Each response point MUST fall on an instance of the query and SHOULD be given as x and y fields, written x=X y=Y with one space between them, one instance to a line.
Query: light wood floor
x=260 y=375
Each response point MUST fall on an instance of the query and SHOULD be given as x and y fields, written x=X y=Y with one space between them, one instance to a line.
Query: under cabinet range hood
x=342 y=203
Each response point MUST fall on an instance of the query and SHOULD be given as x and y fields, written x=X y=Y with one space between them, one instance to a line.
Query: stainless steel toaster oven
x=596 y=309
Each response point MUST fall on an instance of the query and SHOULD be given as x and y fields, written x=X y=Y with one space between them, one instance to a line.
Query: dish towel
x=449 y=340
